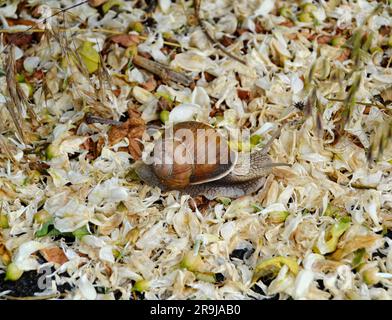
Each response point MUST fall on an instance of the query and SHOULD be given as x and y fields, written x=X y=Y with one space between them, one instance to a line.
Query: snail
x=182 y=162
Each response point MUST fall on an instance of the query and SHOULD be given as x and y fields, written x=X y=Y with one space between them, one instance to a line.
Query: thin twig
x=95 y=119
x=161 y=70
x=197 y=4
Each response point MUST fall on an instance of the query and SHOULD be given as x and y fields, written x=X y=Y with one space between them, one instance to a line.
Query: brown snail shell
x=196 y=153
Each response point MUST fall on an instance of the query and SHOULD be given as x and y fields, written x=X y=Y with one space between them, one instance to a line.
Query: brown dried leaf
x=91 y=147
x=116 y=92
x=208 y=76
x=20 y=40
x=324 y=39
x=133 y=129
x=150 y=84
x=344 y=55
x=287 y=23
x=36 y=76
x=226 y=41
x=243 y=94
x=201 y=203
x=126 y=40
x=386 y=94
x=259 y=27
x=135 y=149
x=17 y=22
x=39 y=166
x=54 y=254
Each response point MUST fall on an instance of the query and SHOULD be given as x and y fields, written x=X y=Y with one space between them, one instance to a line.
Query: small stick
x=161 y=70
x=95 y=119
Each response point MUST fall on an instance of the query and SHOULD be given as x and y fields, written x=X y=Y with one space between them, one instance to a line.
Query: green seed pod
x=167 y=35
x=13 y=273
x=305 y=17
x=138 y=27
x=338 y=41
x=141 y=286
x=4 y=221
x=110 y=4
x=164 y=116
x=255 y=139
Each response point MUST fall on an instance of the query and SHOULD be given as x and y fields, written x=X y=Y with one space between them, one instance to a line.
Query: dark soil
x=27 y=285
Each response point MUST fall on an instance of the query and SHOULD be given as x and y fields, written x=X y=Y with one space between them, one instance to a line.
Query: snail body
x=197 y=160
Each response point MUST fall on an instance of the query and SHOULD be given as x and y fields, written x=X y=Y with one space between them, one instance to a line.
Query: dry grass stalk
x=15 y=97
x=162 y=71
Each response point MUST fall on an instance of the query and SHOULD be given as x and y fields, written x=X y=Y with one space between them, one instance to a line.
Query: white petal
x=164 y=5
x=86 y=288
x=106 y=253
x=22 y=257
x=302 y=283
x=265 y=8
x=31 y=63
x=184 y=112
